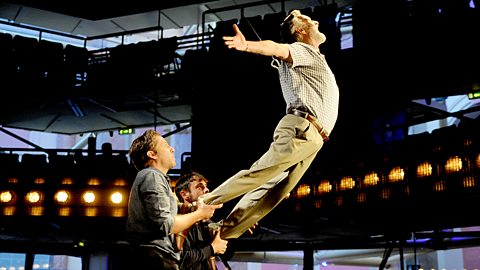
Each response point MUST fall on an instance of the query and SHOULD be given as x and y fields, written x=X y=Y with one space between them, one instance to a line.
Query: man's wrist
x=197 y=216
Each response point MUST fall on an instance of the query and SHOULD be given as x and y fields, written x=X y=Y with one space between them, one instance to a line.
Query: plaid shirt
x=308 y=84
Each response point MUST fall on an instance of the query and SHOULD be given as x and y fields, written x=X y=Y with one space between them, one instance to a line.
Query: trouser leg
x=241 y=183
x=294 y=140
x=256 y=204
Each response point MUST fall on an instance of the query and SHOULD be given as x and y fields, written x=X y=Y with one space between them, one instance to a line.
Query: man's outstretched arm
x=262 y=47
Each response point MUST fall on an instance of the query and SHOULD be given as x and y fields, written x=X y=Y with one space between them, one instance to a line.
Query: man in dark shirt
x=200 y=246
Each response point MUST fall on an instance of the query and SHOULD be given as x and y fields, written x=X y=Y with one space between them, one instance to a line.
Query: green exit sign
x=126 y=131
x=474 y=95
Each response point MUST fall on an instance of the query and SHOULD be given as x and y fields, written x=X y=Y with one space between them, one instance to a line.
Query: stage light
x=396 y=174
x=9 y=210
x=34 y=197
x=324 y=187
x=36 y=210
x=64 y=211
x=469 y=182
x=119 y=212
x=361 y=197
x=93 y=181
x=91 y=211
x=116 y=197
x=371 y=179
x=453 y=164
x=12 y=180
x=62 y=196
x=120 y=182
x=385 y=193
x=8 y=197
x=39 y=181
x=478 y=161
x=303 y=190
x=439 y=186
x=347 y=182
x=88 y=197
x=424 y=169
x=67 y=181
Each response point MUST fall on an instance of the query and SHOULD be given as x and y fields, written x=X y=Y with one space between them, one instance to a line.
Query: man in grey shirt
x=152 y=208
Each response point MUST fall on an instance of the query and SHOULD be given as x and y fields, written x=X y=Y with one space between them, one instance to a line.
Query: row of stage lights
x=451 y=168
x=111 y=200
x=419 y=174
x=64 y=200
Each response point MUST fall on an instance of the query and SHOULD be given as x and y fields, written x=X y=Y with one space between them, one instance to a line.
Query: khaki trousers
x=295 y=144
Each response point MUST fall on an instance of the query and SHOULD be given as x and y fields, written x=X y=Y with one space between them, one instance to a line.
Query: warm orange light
x=371 y=179
x=39 y=181
x=469 y=182
x=385 y=193
x=440 y=186
x=91 y=211
x=9 y=210
x=453 y=164
x=64 y=211
x=303 y=190
x=36 y=210
x=62 y=196
x=396 y=174
x=347 y=182
x=324 y=187
x=34 y=197
x=6 y=196
x=361 y=197
x=120 y=182
x=93 y=182
x=424 y=169
x=88 y=197
x=119 y=212
x=116 y=197
x=67 y=181
x=13 y=180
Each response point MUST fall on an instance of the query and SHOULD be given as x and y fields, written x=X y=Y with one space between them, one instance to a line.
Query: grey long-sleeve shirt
x=152 y=207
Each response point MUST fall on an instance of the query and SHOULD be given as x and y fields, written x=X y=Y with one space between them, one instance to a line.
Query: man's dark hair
x=184 y=181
